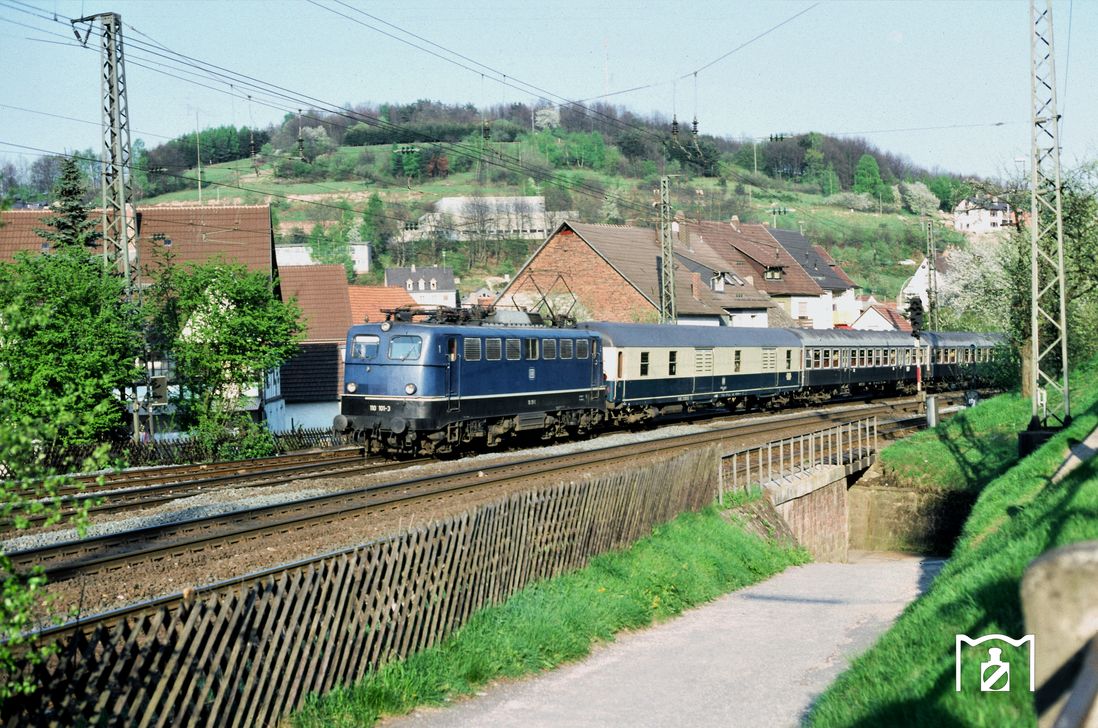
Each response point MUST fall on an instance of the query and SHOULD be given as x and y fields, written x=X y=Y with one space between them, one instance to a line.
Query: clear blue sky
x=840 y=67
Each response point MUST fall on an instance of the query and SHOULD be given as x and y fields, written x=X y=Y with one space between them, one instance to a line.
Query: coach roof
x=689 y=336
x=852 y=337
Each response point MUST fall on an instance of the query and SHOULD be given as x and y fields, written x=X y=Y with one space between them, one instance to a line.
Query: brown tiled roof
x=240 y=234
x=368 y=302
x=692 y=245
x=321 y=292
x=751 y=249
x=634 y=253
x=892 y=316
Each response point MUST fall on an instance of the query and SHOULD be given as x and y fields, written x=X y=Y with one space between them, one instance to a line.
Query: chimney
x=695 y=285
x=413 y=267
x=735 y=222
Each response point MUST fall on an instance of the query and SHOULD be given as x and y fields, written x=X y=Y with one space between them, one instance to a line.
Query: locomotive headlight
x=351 y=387
x=410 y=388
x=386 y=326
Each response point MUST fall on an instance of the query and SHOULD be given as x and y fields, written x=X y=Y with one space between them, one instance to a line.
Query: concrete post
x=1060 y=603
x=932 y=411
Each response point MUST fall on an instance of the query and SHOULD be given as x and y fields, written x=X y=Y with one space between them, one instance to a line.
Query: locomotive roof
x=421 y=329
x=670 y=335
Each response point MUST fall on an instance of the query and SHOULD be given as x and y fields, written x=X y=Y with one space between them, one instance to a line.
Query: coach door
x=703 y=371
x=769 y=368
x=453 y=375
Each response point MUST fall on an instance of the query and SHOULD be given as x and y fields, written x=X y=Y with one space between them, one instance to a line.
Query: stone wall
x=814 y=505
x=888 y=518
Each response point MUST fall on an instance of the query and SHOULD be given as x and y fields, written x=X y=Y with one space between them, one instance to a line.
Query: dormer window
x=774 y=273
x=422 y=284
x=408 y=284
x=434 y=284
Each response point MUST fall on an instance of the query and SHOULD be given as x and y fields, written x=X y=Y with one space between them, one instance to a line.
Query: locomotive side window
x=531 y=349
x=549 y=349
x=582 y=346
x=472 y=350
x=672 y=364
x=737 y=360
x=364 y=346
x=514 y=349
x=644 y=363
x=565 y=348
x=405 y=348
x=493 y=349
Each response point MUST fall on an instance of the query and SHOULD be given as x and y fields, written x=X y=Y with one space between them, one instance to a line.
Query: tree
x=69 y=223
x=82 y=347
x=918 y=198
x=225 y=329
x=867 y=176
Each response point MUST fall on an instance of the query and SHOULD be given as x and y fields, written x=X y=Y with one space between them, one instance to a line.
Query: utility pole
x=932 y=276
x=119 y=229
x=667 y=259
x=1048 y=359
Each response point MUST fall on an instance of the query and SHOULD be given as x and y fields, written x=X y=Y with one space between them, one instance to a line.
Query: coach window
x=672 y=365
x=892 y=357
x=736 y=361
x=565 y=348
x=405 y=348
x=827 y=359
x=788 y=359
x=493 y=349
x=644 y=363
x=835 y=358
x=582 y=346
x=952 y=356
x=531 y=349
x=364 y=346
x=514 y=349
x=549 y=349
x=817 y=361
x=472 y=350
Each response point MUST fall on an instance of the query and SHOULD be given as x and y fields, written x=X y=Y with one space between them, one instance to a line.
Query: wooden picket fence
x=249 y=653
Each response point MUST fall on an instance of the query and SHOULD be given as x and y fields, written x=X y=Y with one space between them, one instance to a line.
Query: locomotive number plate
x=381 y=408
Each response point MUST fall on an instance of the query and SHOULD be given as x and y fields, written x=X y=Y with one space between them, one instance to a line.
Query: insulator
x=694 y=129
x=485 y=131
x=675 y=127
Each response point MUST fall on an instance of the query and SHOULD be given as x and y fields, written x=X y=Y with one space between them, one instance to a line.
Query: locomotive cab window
x=644 y=364
x=514 y=349
x=582 y=347
x=672 y=364
x=549 y=349
x=565 y=348
x=405 y=348
x=364 y=346
x=531 y=349
x=472 y=350
x=493 y=349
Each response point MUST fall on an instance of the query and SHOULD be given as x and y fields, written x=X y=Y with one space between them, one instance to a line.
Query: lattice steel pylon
x=931 y=277
x=119 y=229
x=1048 y=377
x=667 y=257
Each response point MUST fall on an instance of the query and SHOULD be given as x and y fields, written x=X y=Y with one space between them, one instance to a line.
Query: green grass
x=975 y=446
x=907 y=678
x=694 y=559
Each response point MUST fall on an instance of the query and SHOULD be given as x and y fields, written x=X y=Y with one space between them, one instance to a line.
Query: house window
x=737 y=361
x=549 y=349
x=565 y=348
x=434 y=284
x=514 y=349
x=531 y=349
x=672 y=364
x=582 y=348
x=472 y=350
x=493 y=349
x=644 y=364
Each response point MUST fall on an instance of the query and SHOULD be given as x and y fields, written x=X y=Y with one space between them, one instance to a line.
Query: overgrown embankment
x=694 y=559
x=908 y=677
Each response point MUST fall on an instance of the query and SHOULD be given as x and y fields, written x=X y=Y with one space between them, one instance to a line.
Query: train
x=437 y=388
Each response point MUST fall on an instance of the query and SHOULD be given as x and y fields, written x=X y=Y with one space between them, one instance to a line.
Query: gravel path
x=759 y=656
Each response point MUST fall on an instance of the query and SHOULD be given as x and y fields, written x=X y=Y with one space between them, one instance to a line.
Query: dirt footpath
x=759 y=656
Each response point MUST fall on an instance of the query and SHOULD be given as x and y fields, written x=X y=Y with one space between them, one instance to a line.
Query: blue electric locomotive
x=431 y=387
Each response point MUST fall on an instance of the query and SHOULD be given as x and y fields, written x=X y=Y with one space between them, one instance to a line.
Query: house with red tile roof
x=369 y=303
x=611 y=273
x=305 y=391
x=881 y=317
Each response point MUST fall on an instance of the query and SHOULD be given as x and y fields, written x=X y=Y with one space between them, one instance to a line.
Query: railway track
x=243 y=528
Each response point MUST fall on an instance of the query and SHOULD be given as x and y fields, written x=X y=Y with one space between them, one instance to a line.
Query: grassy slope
x=907 y=678
x=695 y=558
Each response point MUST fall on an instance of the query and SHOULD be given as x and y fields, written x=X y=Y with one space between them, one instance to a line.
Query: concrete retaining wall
x=886 y=518
x=814 y=505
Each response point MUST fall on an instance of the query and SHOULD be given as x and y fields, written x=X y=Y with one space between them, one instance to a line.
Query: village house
x=919 y=283
x=369 y=303
x=430 y=286
x=977 y=215
x=611 y=273
x=881 y=317
x=464 y=218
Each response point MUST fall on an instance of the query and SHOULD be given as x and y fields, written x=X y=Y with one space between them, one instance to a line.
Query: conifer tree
x=68 y=221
